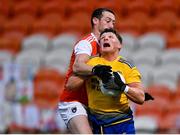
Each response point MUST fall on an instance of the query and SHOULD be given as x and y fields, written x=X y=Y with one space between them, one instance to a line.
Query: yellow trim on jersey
x=117 y=122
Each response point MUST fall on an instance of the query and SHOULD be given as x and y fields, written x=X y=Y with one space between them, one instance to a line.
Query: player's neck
x=96 y=33
x=110 y=56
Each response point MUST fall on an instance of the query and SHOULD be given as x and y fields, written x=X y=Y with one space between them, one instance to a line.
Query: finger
x=148 y=97
x=105 y=79
x=106 y=67
x=107 y=70
x=107 y=75
x=116 y=76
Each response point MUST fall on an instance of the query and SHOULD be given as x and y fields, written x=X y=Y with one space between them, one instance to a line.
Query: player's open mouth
x=106 y=45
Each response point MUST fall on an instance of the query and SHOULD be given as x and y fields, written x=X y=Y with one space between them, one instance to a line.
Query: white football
x=113 y=88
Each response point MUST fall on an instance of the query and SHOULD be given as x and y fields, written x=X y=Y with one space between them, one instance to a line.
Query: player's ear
x=119 y=46
x=95 y=20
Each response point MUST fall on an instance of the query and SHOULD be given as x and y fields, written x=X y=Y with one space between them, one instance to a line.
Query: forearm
x=80 y=67
x=136 y=95
x=74 y=82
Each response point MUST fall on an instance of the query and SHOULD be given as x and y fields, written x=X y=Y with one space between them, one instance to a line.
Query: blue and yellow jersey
x=101 y=103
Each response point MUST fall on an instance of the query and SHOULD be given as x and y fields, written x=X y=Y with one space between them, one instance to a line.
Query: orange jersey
x=88 y=45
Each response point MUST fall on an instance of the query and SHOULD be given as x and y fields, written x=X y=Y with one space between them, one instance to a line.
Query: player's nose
x=106 y=38
x=111 y=25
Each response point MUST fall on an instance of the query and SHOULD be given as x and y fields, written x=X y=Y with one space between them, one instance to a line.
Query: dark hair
x=98 y=13
x=112 y=31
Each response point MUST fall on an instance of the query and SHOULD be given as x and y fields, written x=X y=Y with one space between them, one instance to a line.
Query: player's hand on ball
x=114 y=86
x=119 y=80
x=108 y=91
x=103 y=72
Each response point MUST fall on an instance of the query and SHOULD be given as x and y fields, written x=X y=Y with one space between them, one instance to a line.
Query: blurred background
x=36 y=40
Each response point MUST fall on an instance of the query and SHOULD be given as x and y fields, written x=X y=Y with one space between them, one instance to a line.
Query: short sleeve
x=133 y=76
x=83 y=47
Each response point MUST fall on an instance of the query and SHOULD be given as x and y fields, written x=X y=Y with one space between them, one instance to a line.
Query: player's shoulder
x=86 y=40
x=126 y=62
x=89 y=38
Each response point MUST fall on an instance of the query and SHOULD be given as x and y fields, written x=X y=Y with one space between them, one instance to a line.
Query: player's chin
x=107 y=48
x=104 y=50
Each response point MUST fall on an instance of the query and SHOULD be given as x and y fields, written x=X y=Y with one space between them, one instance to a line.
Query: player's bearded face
x=107 y=21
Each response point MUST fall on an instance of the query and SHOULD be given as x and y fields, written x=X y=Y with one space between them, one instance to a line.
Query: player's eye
x=102 y=38
x=110 y=36
x=108 y=21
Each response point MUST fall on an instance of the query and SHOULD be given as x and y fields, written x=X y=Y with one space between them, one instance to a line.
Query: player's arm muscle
x=74 y=82
x=80 y=67
x=136 y=93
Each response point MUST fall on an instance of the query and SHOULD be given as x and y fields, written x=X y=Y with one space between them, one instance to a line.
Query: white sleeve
x=83 y=47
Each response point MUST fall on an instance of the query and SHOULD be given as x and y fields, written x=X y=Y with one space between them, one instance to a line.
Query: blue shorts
x=120 y=126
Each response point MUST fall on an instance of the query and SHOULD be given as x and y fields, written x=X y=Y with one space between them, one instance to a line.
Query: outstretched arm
x=101 y=71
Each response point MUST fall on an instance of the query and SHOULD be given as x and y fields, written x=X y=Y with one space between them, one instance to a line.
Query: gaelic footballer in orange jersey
x=90 y=41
